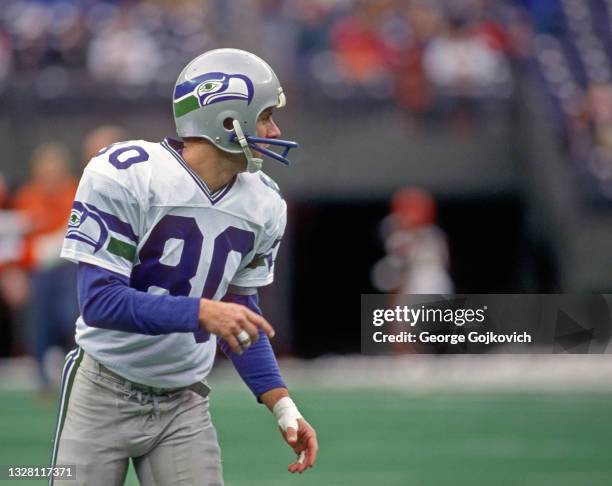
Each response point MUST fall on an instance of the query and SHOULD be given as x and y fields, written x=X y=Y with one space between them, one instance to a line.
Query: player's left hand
x=304 y=443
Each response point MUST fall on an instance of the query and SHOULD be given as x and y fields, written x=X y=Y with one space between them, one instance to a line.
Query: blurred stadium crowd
x=572 y=52
x=442 y=60
x=386 y=50
x=448 y=57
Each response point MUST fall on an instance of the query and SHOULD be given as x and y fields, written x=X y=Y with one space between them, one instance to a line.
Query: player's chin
x=240 y=161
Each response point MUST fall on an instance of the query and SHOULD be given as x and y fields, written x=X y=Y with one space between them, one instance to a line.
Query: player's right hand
x=227 y=320
x=304 y=443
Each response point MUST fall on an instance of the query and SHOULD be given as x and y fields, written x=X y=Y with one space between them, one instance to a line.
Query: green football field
x=384 y=438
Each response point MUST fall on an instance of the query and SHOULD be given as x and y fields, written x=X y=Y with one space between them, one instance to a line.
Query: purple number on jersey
x=141 y=156
x=232 y=239
x=174 y=278
x=151 y=272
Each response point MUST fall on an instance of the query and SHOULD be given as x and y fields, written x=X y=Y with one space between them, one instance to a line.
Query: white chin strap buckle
x=253 y=163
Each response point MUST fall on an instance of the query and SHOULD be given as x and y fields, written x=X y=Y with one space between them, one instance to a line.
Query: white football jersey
x=142 y=212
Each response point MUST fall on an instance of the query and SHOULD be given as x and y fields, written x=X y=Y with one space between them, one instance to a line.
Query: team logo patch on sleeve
x=96 y=228
x=211 y=88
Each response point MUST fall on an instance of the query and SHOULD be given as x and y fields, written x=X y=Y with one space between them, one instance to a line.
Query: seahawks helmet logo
x=210 y=88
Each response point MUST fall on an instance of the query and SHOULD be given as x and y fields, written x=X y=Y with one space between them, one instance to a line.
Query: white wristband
x=286 y=414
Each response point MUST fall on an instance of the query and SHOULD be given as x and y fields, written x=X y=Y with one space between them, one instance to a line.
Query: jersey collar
x=175 y=147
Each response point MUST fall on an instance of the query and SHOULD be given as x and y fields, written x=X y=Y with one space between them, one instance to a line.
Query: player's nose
x=273 y=130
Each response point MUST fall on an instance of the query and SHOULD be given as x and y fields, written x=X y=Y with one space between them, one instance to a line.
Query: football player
x=172 y=240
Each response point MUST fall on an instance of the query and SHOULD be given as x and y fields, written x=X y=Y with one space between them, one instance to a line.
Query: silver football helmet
x=219 y=96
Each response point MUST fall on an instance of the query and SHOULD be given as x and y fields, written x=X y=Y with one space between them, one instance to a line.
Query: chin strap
x=253 y=163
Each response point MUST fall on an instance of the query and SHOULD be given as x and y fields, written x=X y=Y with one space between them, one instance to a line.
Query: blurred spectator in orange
x=46 y=201
x=13 y=285
x=98 y=138
x=361 y=52
x=359 y=61
x=13 y=226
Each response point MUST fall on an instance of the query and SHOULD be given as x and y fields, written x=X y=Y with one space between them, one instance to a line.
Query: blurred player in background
x=417 y=251
x=14 y=286
x=45 y=202
x=172 y=240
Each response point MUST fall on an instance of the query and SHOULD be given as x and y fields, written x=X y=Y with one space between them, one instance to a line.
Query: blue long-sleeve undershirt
x=107 y=301
x=257 y=366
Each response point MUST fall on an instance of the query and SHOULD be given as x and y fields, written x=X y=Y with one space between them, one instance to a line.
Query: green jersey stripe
x=122 y=249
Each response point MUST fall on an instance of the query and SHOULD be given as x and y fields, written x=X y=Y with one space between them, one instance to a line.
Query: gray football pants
x=102 y=423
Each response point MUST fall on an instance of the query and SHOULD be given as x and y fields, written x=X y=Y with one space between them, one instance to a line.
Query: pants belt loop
x=97 y=365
